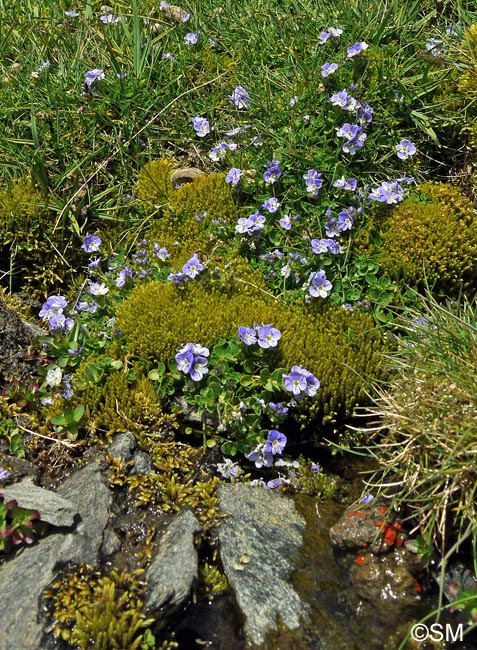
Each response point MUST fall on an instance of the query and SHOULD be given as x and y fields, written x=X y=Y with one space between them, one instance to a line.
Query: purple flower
x=250 y=225
x=191 y=38
x=233 y=176
x=4 y=474
x=201 y=126
x=191 y=359
x=285 y=222
x=323 y=37
x=364 y=114
x=276 y=442
x=435 y=47
x=367 y=498
x=193 y=267
x=228 y=469
x=168 y=55
x=345 y=220
x=240 y=97
x=53 y=306
x=271 y=204
x=71 y=14
x=161 y=253
x=350 y=184
x=313 y=182
x=268 y=336
x=343 y=100
x=315 y=468
x=178 y=278
x=247 y=335
x=94 y=263
x=279 y=408
x=388 y=193
x=301 y=382
x=321 y=246
x=293 y=101
x=92 y=76
x=91 y=243
x=318 y=285
x=405 y=148
x=354 y=136
x=260 y=457
x=218 y=152
x=276 y=483
x=110 y=19
x=273 y=172
x=328 y=68
x=123 y=275
x=357 y=48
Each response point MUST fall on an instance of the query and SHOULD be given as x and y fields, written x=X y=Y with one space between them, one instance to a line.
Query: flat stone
x=23 y=578
x=124 y=445
x=173 y=571
x=53 y=509
x=259 y=543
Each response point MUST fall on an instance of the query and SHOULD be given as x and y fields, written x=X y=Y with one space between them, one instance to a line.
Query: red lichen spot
x=351 y=513
x=418 y=587
x=361 y=513
x=360 y=560
x=382 y=509
x=379 y=524
x=365 y=544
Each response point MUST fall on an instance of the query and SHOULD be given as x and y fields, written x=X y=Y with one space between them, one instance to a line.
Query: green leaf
x=228 y=448
x=59 y=420
x=246 y=381
x=78 y=412
x=211 y=442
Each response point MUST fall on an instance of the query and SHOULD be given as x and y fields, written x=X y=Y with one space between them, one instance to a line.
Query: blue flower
x=328 y=68
x=161 y=253
x=278 y=408
x=301 y=382
x=201 y=126
x=110 y=19
x=260 y=457
x=367 y=498
x=193 y=266
x=276 y=442
x=268 y=336
x=233 y=176
x=285 y=222
x=247 y=335
x=273 y=172
x=271 y=204
x=321 y=246
x=191 y=38
x=364 y=114
x=313 y=182
x=92 y=76
x=354 y=136
x=345 y=220
x=91 y=243
x=387 y=192
x=318 y=285
x=349 y=184
x=315 y=468
x=357 y=48
x=4 y=474
x=240 y=97
x=191 y=359
x=343 y=100
x=405 y=148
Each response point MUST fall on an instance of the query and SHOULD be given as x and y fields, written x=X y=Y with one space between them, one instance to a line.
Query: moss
x=212 y=581
x=430 y=238
x=340 y=348
x=189 y=218
x=27 y=237
x=124 y=403
x=94 y=610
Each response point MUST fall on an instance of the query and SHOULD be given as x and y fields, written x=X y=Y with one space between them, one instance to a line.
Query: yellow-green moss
x=182 y=217
x=93 y=610
x=340 y=348
x=430 y=238
x=27 y=239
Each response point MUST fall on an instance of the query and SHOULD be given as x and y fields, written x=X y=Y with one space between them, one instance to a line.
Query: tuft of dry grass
x=424 y=431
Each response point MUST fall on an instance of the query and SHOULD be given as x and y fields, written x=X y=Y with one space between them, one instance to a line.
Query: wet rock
x=173 y=572
x=53 y=509
x=387 y=582
x=23 y=578
x=259 y=540
x=365 y=525
x=126 y=448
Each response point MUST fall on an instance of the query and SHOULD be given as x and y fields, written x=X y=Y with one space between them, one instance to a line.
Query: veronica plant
x=239 y=398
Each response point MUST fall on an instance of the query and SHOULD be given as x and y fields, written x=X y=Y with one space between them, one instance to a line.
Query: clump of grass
x=425 y=436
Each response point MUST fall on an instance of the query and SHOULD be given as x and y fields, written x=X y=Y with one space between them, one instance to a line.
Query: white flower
x=54 y=376
x=98 y=289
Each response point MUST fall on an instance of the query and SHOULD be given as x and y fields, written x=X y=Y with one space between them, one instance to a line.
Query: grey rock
x=259 y=542
x=53 y=509
x=142 y=464
x=23 y=578
x=173 y=571
x=124 y=445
